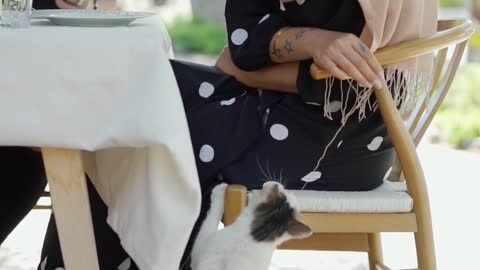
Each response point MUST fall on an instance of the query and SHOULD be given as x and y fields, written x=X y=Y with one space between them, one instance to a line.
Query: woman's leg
x=23 y=181
x=110 y=253
x=221 y=113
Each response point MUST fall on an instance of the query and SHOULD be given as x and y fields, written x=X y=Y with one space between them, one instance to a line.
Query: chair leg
x=375 y=253
x=71 y=207
x=425 y=245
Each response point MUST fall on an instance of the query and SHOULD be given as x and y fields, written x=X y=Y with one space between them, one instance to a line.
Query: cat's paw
x=218 y=193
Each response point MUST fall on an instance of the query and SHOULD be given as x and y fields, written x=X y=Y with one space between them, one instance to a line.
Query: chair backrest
x=443 y=75
x=452 y=34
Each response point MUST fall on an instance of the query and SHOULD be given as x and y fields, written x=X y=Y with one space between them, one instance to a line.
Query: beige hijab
x=390 y=22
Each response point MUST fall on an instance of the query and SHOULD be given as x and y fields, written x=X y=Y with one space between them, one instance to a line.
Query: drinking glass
x=15 y=13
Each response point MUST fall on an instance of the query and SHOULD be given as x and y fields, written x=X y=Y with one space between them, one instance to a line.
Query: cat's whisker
x=261 y=169
x=285 y=182
x=268 y=171
x=280 y=178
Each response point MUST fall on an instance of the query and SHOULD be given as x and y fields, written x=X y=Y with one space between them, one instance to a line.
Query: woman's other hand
x=344 y=56
x=226 y=65
x=281 y=76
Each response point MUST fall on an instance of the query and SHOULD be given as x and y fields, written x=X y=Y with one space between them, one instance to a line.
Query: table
x=104 y=101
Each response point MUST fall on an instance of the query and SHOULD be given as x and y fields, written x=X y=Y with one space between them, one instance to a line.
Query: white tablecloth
x=110 y=91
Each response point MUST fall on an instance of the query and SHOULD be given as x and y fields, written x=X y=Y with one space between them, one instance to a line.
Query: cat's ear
x=298 y=230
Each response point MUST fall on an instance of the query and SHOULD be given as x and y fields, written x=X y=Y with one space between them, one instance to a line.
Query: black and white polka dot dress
x=248 y=136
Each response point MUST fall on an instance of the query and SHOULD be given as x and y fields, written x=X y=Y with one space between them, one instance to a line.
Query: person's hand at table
x=74 y=4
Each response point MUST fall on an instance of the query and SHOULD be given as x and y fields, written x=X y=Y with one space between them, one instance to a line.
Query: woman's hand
x=281 y=77
x=73 y=4
x=226 y=65
x=344 y=56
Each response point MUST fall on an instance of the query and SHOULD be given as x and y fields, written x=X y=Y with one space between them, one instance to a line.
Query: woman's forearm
x=342 y=54
x=291 y=44
x=280 y=78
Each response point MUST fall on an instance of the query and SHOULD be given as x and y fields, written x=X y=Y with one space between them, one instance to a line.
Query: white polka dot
x=206 y=153
x=279 y=132
x=227 y=102
x=312 y=176
x=375 y=144
x=264 y=18
x=300 y=2
x=335 y=106
x=59 y=268
x=389 y=171
x=339 y=144
x=239 y=36
x=206 y=90
x=125 y=265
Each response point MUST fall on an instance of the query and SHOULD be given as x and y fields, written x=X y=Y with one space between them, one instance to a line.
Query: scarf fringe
x=406 y=86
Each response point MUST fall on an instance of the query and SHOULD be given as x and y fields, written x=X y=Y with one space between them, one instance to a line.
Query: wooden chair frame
x=361 y=232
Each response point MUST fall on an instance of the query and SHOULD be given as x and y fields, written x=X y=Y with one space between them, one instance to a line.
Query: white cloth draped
x=110 y=91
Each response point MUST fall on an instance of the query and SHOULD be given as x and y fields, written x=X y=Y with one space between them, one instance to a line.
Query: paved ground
x=453 y=182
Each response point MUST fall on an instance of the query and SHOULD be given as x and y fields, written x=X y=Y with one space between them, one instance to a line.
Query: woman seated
x=259 y=116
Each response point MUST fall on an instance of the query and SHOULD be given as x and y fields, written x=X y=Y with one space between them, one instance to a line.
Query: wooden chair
x=361 y=232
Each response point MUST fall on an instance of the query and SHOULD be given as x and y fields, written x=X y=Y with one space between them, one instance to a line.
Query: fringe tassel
x=407 y=87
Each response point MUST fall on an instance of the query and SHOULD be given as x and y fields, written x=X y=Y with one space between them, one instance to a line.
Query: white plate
x=89 y=18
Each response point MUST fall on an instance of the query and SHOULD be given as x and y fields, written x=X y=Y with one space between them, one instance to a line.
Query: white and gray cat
x=269 y=220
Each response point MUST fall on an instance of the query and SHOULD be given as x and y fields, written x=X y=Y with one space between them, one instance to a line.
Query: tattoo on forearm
x=288 y=46
x=276 y=51
x=300 y=33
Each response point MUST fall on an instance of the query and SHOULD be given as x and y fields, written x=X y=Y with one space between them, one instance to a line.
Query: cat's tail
x=215 y=214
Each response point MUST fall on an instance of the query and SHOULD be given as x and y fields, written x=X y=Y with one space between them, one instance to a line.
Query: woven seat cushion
x=391 y=197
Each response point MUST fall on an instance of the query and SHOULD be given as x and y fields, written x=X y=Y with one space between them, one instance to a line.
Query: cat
x=269 y=220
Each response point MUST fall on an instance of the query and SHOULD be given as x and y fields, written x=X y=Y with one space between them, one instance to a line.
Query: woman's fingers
x=345 y=56
x=364 y=67
x=344 y=61
x=370 y=59
x=331 y=67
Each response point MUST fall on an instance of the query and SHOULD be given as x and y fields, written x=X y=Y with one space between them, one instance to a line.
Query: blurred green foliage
x=475 y=41
x=459 y=117
x=452 y=3
x=197 y=36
